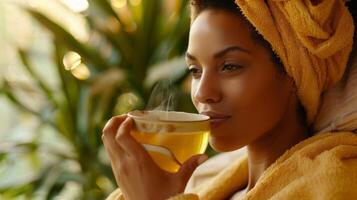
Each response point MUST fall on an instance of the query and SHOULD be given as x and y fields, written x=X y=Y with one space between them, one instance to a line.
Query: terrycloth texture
x=231 y=179
x=338 y=112
x=313 y=41
x=118 y=195
x=218 y=187
x=321 y=167
x=213 y=166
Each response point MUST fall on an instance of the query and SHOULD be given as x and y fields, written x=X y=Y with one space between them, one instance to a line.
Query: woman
x=258 y=101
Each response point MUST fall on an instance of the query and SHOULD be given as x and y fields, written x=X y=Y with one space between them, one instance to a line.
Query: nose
x=206 y=89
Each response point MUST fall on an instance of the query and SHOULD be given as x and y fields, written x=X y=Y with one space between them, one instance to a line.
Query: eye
x=231 y=67
x=194 y=71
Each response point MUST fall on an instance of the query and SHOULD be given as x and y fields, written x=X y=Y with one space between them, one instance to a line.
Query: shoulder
x=335 y=163
x=321 y=167
x=329 y=165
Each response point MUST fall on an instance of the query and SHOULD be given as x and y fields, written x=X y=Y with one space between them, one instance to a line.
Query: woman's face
x=234 y=80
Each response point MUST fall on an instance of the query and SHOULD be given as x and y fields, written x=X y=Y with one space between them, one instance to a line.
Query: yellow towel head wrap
x=313 y=39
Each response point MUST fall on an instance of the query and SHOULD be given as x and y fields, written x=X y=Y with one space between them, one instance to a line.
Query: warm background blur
x=66 y=67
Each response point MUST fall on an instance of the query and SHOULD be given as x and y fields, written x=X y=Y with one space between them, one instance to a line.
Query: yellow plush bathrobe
x=321 y=167
x=314 y=40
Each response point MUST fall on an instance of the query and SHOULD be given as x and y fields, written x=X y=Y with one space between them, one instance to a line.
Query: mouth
x=216 y=118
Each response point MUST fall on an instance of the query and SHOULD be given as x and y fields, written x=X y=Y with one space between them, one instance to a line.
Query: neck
x=267 y=149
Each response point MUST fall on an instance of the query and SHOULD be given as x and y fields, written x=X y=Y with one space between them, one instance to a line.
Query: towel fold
x=312 y=38
x=321 y=167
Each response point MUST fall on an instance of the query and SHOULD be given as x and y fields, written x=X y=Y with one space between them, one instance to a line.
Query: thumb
x=190 y=165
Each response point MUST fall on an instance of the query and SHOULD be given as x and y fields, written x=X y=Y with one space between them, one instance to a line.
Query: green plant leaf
x=173 y=70
x=67 y=109
x=107 y=8
x=65 y=37
x=45 y=89
x=83 y=107
x=8 y=92
x=146 y=39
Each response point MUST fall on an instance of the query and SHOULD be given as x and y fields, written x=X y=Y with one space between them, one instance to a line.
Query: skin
x=235 y=81
x=136 y=174
x=234 y=76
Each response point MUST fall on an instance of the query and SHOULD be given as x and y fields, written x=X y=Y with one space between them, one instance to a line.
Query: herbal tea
x=170 y=150
x=171 y=137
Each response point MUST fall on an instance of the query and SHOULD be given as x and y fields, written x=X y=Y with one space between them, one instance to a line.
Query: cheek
x=236 y=93
x=265 y=105
x=258 y=103
x=193 y=91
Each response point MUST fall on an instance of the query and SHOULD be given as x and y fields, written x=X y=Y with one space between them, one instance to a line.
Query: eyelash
x=193 y=71
x=232 y=65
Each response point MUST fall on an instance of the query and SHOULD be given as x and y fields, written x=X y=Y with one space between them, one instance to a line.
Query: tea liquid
x=171 y=149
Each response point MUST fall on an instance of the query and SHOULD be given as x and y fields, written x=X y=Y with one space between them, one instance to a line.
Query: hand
x=137 y=175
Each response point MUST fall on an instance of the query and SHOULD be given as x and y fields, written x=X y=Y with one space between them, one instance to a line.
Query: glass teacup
x=171 y=137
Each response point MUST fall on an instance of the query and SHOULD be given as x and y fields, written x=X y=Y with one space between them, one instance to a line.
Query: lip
x=216 y=118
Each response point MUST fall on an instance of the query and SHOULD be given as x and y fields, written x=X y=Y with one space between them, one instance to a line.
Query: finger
x=108 y=136
x=190 y=165
x=126 y=140
x=113 y=124
x=113 y=149
x=116 y=154
x=115 y=171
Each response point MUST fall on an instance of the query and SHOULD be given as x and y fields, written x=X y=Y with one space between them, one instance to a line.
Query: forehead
x=215 y=28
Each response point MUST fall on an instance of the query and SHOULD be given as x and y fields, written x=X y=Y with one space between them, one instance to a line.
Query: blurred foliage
x=129 y=51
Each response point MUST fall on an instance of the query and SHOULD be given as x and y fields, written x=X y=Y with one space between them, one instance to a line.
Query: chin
x=223 y=145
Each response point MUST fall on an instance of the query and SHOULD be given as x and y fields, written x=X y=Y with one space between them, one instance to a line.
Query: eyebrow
x=221 y=53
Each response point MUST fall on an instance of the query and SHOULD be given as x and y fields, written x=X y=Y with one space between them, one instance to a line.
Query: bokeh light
x=119 y=3
x=135 y=2
x=71 y=60
x=76 y=5
x=81 y=72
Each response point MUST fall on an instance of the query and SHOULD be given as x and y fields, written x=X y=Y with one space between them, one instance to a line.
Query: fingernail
x=105 y=126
